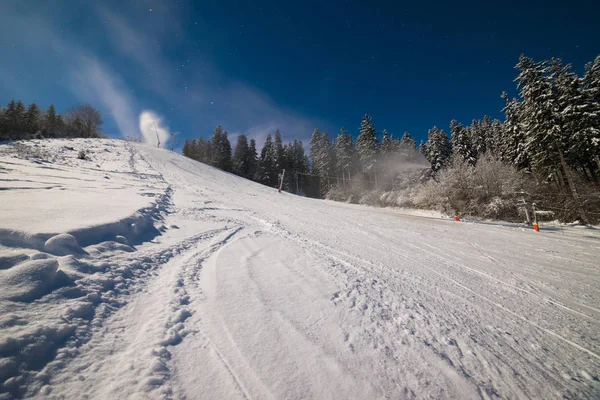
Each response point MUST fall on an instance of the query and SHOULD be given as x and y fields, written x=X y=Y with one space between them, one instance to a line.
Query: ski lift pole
x=526 y=211
x=281 y=183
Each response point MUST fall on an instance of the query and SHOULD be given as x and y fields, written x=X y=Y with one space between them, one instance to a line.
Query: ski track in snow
x=141 y=274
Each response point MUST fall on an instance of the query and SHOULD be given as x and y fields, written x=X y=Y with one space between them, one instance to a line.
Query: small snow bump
x=63 y=244
x=121 y=239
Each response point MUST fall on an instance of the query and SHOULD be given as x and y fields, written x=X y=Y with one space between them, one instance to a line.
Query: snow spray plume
x=394 y=164
x=152 y=128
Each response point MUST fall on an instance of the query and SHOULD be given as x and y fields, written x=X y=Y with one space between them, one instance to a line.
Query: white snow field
x=138 y=273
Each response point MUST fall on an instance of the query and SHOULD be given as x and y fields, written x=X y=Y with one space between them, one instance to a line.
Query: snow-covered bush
x=490 y=189
x=338 y=193
x=371 y=198
x=352 y=192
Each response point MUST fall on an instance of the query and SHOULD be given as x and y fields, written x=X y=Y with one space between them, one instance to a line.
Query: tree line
x=245 y=161
x=549 y=142
x=332 y=162
x=18 y=122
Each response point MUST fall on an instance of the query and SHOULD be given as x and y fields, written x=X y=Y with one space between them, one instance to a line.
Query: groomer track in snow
x=138 y=273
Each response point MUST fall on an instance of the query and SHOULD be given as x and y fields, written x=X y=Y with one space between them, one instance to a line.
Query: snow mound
x=62 y=245
x=29 y=280
x=121 y=239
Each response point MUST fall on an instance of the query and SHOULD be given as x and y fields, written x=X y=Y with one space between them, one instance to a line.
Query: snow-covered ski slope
x=138 y=273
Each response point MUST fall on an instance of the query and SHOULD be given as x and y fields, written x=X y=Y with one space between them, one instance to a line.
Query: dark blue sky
x=254 y=66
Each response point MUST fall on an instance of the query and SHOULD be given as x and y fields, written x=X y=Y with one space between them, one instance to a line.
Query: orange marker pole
x=535 y=224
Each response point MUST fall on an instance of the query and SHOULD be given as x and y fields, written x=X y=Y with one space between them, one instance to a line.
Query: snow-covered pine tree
x=423 y=149
x=547 y=98
x=512 y=148
x=326 y=162
x=221 y=149
x=344 y=150
x=591 y=89
x=252 y=161
x=407 y=147
x=186 y=149
x=480 y=134
x=225 y=151
x=495 y=139
x=14 y=117
x=240 y=157
x=535 y=115
x=50 y=123
x=296 y=163
x=32 y=119
x=202 y=151
x=388 y=147
x=268 y=175
x=462 y=147
x=572 y=107
x=193 y=150
x=3 y=135
x=438 y=149
x=366 y=146
x=315 y=151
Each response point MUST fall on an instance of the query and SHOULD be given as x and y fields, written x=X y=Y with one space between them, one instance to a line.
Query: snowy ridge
x=224 y=288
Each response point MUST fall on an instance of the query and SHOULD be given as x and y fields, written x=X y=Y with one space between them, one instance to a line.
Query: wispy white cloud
x=84 y=75
x=202 y=99
x=210 y=96
x=92 y=81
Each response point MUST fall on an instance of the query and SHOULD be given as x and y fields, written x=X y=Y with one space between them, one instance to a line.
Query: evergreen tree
x=3 y=132
x=366 y=146
x=461 y=143
x=407 y=147
x=315 y=151
x=268 y=174
x=496 y=137
x=32 y=119
x=438 y=149
x=591 y=88
x=479 y=134
x=221 y=149
x=423 y=149
x=202 y=151
x=296 y=163
x=388 y=147
x=19 y=120
x=327 y=163
x=50 y=126
x=186 y=150
x=252 y=161
x=14 y=119
x=550 y=119
x=195 y=151
x=241 y=157
x=344 y=150
x=511 y=145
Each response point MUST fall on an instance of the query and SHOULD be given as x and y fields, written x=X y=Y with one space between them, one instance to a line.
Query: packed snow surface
x=138 y=273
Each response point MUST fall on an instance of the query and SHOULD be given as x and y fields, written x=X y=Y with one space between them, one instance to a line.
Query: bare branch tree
x=85 y=119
